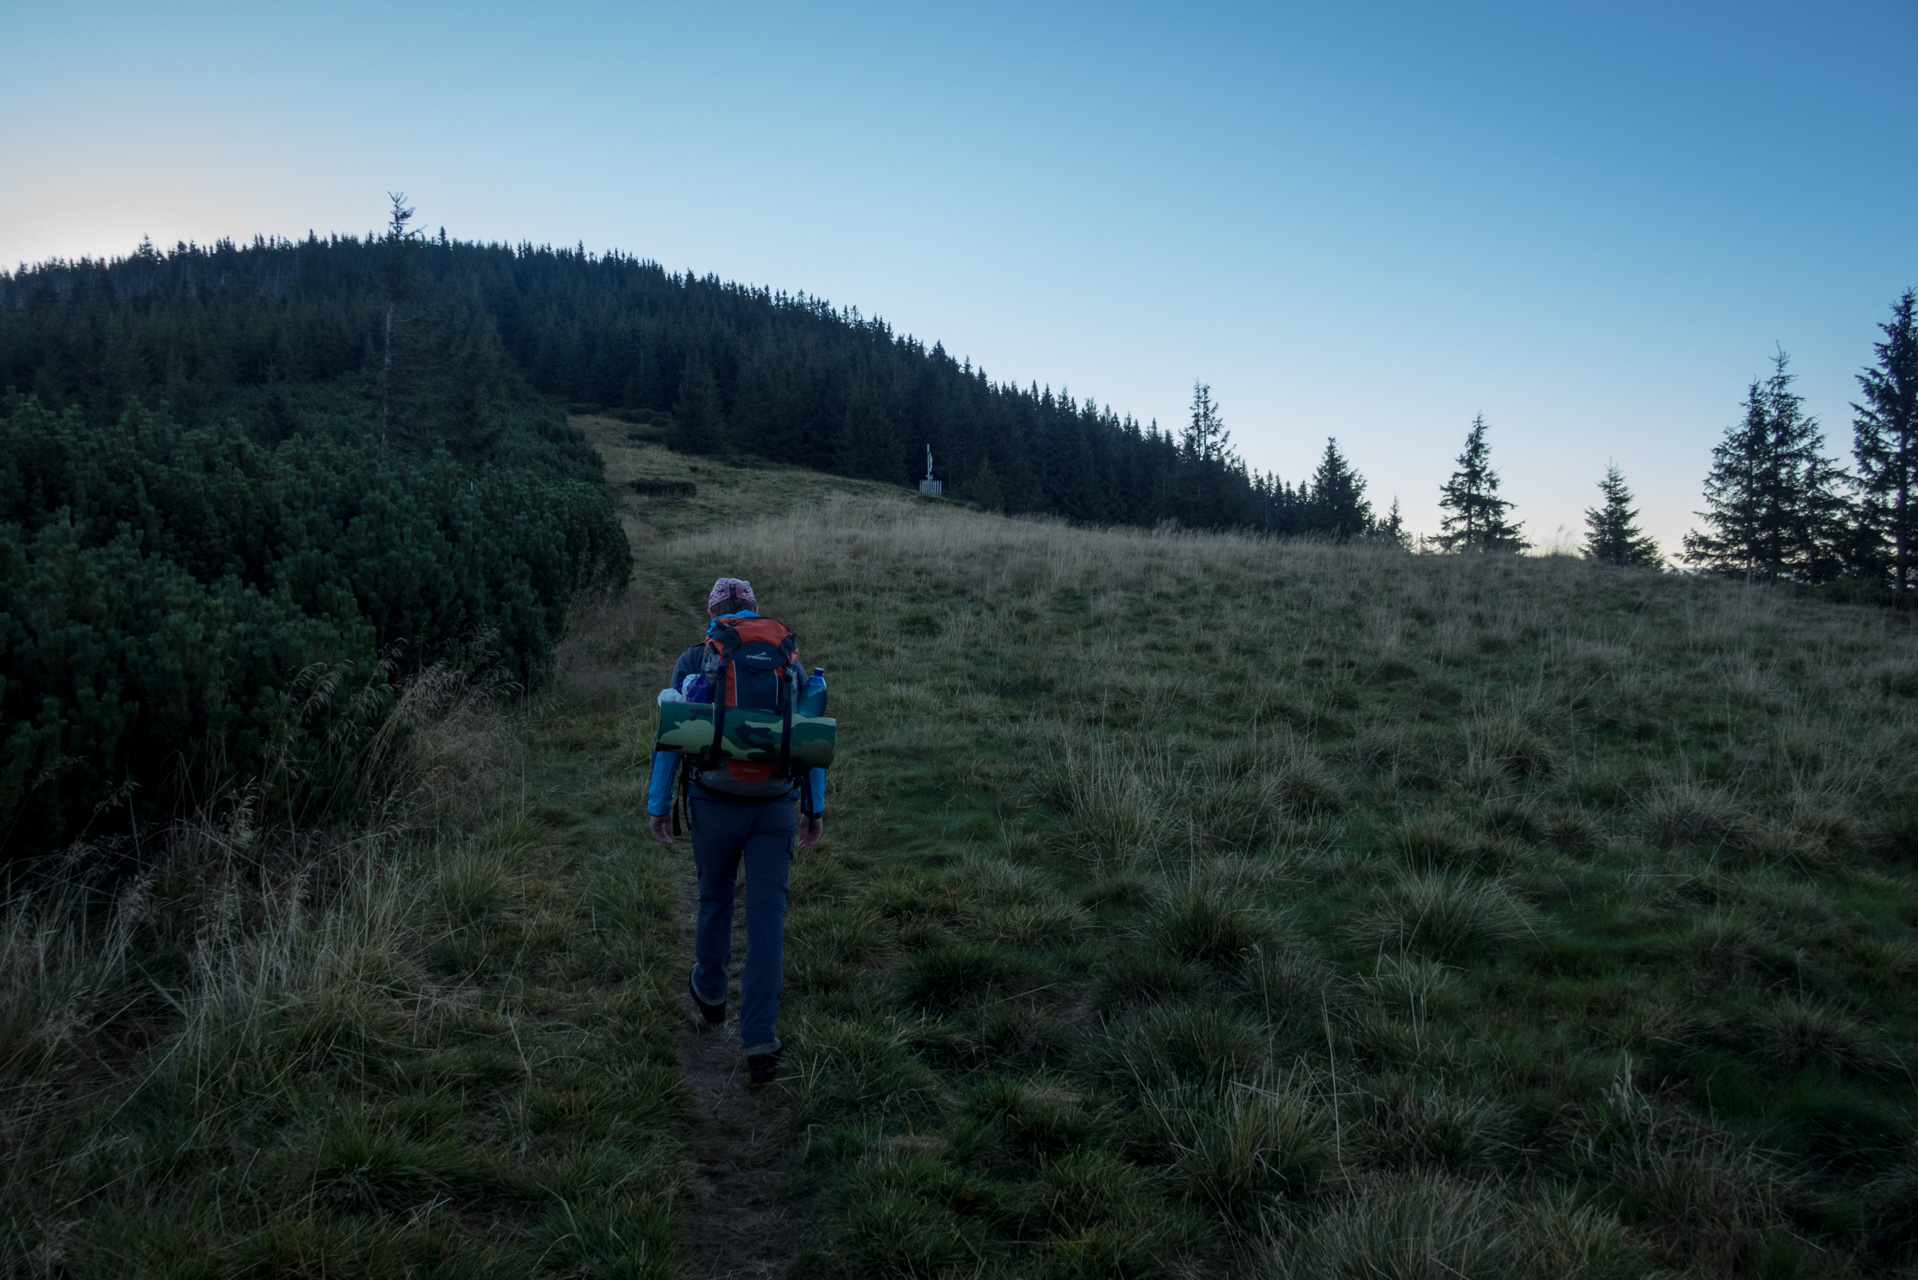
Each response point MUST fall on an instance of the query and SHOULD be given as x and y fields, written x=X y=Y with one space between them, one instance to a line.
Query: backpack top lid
x=732 y=631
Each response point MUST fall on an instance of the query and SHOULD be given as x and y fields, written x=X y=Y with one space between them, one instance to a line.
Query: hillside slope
x=1201 y=903
x=1190 y=905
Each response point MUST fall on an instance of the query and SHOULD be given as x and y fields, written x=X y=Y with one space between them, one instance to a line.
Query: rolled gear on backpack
x=752 y=737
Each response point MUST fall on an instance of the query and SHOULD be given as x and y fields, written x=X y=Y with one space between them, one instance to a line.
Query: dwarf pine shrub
x=186 y=611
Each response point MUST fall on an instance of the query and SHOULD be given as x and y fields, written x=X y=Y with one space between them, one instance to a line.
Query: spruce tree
x=1205 y=440
x=1772 y=506
x=1885 y=442
x=1735 y=496
x=1338 y=505
x=1213 y=487
x=1477 y=522
x=699 y=420
x=1612 y=535
x=1392 y=528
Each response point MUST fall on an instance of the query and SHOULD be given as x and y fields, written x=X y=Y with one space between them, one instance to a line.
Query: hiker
x=734 y=818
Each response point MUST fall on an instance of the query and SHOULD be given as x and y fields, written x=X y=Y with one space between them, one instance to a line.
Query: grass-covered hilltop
x=1193 y=902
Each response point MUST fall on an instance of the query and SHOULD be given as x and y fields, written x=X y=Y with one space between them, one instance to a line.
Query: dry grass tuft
x=1245 y=1153
x=1508 y=746
x=1444 y=914
x=1113 y=817
x=1796 y=1032
x=1711 y=1200
x=1688 y=813
x=1186 y=1045
x=1209 y=918
x=1409 y=1227
x=1408 y=1123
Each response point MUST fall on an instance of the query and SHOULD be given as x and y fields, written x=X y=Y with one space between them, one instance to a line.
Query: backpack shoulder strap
x=682 y=784
x=722 y=640
x=775 y=632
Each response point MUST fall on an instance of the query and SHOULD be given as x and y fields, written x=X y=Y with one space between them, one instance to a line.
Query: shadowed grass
x=438 y=1044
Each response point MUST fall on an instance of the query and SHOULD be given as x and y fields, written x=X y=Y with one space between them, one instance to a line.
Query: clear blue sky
x=1590 y=223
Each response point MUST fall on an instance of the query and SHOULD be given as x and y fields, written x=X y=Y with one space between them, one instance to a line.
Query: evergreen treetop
x=1392 y=528
x=1205 y=440
x=1477 y=521
x=1338 y=507
x=1612 y=535
x=1885 y=444
x=1773 y=509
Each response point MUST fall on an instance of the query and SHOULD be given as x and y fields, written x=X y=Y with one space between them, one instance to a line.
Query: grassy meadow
x=1189 y=906
x=1196 y=905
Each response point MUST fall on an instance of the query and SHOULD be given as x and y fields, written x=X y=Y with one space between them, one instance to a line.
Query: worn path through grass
x=743 y=1220
x=739 y=1218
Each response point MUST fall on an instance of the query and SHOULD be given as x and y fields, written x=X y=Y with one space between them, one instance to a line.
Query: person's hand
x=810 y=830
x=661 y=826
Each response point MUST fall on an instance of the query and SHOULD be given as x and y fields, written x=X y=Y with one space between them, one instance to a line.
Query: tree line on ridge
x=446 y=327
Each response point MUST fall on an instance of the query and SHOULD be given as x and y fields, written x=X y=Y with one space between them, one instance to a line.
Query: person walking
x=733 y=821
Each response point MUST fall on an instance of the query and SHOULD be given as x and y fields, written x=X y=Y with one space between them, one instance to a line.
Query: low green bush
x=185 y=612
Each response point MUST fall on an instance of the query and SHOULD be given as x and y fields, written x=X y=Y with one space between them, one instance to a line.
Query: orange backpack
x=749 y=662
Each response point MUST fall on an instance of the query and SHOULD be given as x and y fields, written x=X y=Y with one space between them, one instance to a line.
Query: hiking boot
x=713 y=1013
x=764 y=1067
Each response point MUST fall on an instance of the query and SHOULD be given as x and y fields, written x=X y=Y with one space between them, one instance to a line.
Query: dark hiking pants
x=761 y=835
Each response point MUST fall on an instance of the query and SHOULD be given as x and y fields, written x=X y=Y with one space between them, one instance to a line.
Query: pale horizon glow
x=1593 y=227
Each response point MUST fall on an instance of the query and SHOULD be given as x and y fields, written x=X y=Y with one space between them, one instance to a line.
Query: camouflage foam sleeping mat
x=750 y=736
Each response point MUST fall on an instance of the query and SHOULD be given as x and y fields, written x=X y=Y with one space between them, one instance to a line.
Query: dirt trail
x=742 y=1221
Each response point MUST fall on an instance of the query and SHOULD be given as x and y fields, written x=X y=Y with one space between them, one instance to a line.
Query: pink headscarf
x=731 y=588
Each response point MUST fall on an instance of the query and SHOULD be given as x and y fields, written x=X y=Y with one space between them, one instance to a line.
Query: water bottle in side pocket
x=813 y=701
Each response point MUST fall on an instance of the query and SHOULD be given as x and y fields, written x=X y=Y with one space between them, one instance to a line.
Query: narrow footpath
x=740 y=1222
